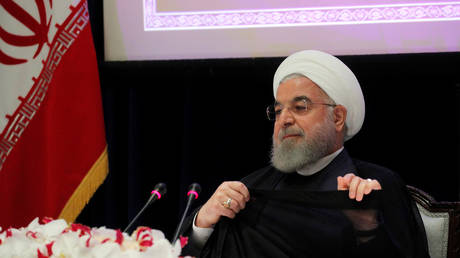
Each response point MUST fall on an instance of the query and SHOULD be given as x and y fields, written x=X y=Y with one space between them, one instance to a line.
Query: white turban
x=333 y=77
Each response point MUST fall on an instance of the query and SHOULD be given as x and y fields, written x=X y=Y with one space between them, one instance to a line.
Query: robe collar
x=314 y=167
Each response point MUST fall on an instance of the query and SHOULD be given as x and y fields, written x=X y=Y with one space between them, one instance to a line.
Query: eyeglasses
x=298 y=106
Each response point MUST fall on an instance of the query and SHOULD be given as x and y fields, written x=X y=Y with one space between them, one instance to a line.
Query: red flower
x=31 y=234
x=47 y=220
x=144 y=237
x=9 y=233
x=49 y=249
x=119 y=237
x=183 y=241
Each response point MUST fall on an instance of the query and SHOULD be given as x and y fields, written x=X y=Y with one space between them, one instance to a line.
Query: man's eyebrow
x=298 y=98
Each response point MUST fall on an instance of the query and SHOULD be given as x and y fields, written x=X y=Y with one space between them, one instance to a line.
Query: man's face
x=301 y=136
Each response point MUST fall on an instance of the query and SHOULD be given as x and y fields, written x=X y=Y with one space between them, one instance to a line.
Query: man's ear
x=340 y=116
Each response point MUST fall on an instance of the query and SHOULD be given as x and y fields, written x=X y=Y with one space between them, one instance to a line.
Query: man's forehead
x=299 y=86
x=303 y=90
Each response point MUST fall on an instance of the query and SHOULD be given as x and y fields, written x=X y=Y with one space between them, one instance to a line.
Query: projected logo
x=315 y=16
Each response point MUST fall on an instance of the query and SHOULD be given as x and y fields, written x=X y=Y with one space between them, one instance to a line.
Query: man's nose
x=286 y=118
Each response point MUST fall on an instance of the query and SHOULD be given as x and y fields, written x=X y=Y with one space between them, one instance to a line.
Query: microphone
x=193 y=192
x=157 y=192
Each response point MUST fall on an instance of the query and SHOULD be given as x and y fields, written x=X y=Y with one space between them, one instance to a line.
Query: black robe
x=290 y=215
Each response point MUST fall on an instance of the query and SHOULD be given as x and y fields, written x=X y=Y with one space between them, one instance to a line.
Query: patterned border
x=18 y=122
x=154 y=20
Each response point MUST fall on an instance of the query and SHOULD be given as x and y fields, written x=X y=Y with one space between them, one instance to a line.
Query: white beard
x=292 y=154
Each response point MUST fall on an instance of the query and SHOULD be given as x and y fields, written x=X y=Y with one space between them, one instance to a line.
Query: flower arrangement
x=56 y=238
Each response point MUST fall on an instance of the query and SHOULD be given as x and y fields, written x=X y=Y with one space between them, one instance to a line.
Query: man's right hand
x=215 y=207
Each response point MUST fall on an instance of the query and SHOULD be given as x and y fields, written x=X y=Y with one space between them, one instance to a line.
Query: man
x=318 y=106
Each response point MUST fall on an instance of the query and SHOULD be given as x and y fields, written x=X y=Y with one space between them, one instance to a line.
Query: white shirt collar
x=312 y=168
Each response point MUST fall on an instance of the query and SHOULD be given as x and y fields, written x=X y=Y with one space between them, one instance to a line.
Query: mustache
x=287 y=131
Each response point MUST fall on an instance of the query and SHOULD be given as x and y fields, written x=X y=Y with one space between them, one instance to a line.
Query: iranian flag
x=53 y=153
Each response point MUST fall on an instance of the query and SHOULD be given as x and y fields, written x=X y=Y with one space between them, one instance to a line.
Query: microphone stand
x=160 y=189
x=192 y=194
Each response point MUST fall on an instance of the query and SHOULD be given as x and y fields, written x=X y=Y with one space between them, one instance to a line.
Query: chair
x=442 y=224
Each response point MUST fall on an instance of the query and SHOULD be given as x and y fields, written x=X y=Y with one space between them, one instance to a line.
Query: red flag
x=53 y=153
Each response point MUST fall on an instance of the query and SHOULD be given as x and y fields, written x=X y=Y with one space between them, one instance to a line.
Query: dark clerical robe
x=290 y=215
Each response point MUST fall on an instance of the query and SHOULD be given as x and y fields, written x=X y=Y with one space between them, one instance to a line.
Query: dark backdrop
x=203 y=121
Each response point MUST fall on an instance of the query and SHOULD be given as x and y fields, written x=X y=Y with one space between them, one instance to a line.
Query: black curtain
x=203 y=121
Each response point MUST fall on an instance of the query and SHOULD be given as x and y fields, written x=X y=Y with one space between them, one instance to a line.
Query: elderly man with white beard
x=318 y=106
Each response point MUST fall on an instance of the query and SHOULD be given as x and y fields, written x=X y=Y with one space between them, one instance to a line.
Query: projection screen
x=202 y=29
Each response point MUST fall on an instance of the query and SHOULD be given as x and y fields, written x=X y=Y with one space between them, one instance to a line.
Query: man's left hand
x=357 y=186
x=362 y=220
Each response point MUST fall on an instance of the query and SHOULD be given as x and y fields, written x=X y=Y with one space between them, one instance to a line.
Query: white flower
x=56 y=238
x=19 y=245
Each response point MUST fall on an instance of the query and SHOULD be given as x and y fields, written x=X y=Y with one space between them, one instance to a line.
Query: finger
x=227 y=212
x=348 y=177
x=231 y=199
x=353 y=186
x=363 y=184
x=237 y=198
x=235 y=190
x=222 y=201
x=343 y=183
x=368 y=188
x=241 y=188
x=235 y=186
x=372 y=185
x=231 y=204
x=218 y=207
x=376 y=185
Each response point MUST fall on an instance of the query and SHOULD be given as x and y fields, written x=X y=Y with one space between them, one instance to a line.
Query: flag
x=53 y=152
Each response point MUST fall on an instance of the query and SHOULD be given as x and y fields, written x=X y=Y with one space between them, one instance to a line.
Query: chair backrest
x=442 y=224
